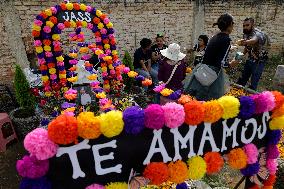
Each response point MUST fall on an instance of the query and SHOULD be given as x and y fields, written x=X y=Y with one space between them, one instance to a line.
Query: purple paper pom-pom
x=140 y=78
x=110 y=31
x=40 y=183
x=93 y=11
x=247 y=108
x=272 y=152
x=44 y=72
x=274 y=136
x=154 y=116
x=133 y=118
x=175 y=95
x=39 y=17
x=58 y=53
x=251 y=169
x=30 y=167
x=182 y=186
x=58 y=8
x=40 y=55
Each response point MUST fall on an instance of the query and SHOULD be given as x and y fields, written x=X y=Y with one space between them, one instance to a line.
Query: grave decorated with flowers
x=136 y=147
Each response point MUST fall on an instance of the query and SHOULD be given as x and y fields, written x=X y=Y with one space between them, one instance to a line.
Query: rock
x=278 y=80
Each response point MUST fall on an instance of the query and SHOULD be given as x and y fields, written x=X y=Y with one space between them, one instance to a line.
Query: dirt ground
x=9 y=178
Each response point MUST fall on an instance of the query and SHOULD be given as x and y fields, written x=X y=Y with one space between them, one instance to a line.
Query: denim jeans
x=155 y=66
x=252 y=69
x=153 y=74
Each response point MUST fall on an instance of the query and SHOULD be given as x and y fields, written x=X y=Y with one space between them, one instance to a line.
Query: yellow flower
x=104 y=69
x=52 y=71
x=83 y=7
x=132 y=74
x=107 y=58
x=107 y=46
x=72 y=109
x=44 y=78
x=73 y=79
x=166 y=92
x=69 y=6
x=101 y=95
x=98 y=52
x=56 y=37
x=64 y=89
x=73 y=24
x=100 y=25
x=47 y=48
x=61 y=76
x=110 y=67
x=39 y=49
x=109 y=25
x=99 y=13
x=60 y=58
x=36 y=27
x=92 y=77
x=49 y=23
x=84 y=24
x=47 y=93
x=48 y=12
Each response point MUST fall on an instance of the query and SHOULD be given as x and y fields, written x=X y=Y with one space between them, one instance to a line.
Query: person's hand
x=241 y=42
x=233 y=63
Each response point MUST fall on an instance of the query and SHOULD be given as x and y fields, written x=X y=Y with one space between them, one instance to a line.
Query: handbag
x=205 y=75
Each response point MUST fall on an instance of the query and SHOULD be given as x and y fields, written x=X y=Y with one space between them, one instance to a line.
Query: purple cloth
x=165 y=71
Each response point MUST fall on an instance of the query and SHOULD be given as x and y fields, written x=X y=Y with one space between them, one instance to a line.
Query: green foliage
x=24 y=97
x=127 y=61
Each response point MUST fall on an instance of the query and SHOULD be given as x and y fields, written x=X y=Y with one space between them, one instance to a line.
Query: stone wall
x=181 y=20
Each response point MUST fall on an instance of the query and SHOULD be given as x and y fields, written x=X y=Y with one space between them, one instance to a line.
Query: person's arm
x=149 y=65
x=143 y=65
x=248 y=42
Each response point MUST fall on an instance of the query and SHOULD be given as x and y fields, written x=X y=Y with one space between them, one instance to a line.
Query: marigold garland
x=194 y=112
x=214 y=162
x=63 y=129
x=157 y=172
x=230 y=105
x=117 y=185
x=213 y=111
x=88 y=125
x=237 y=158
x=178 y=171
x=196 y=168
x=111 y=123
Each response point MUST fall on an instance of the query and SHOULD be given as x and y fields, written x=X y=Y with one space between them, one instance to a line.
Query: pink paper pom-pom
x=154 y=116
x=38 y=22
x=260 y=103
x=61 y=26
x=56 y=43
x=46 y=29
x=108 y=51
x=104 y=74
x=37 y=43
x=53 y=10
x=90 y=26
x=48 y=54
x=30 y=167
x=60 y=63
x=112 y=72
x=53 y=76
x=103 y=31
x=174 y=114
x=95 y=186
x=119 y=78
x=270 y=100
x=89 y=8
x=159 y=88
x=106 y=21
x=126 y=70
x=41 y=61
x=251 y=152
x=272 y=165
x=111 y=36
x=39 y=145
x=98 y=39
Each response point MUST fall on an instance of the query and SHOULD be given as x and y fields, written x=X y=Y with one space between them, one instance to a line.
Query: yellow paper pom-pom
x=109 y=25
x=277 y=123
x=83 y=7
x=101 y=95
x=48 y=12
x=117 y=185
x=39 y=49
x=237 y=158
x=73 y=24
x=73 y=79
x=84 y=24
x=69 y=6
x=56 y=37
x=36 y=28
x=196 y=168
x=178 y=172
x=132 y=74
x=60 y=58
x=107 y=46
x=110 y=67
x=104 y=69
x=98 y=52
x=47 y=48
x=49 y=23
x=107 y=58
x=111 y=123
x=45 y=78
x=230 y=105
x=52 y=71
x=114 y=52
x=47 y=93
x=100 y=25
x=92 y=77
x=99 y=13
x=166 y=92
x=213 y=111
x=88 y=125
x=62 y=76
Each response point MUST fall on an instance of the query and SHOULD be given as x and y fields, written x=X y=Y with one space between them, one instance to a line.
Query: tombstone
x=278 y=80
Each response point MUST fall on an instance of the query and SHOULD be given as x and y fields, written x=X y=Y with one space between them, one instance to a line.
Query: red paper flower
x=96 y=20
x=53 y=19
x=157 y=172
x=194 y=112
x=214 y=162
x=63 y=6
x=35 y=33
x=76 y=6
x=47 y=42
x=67 y=24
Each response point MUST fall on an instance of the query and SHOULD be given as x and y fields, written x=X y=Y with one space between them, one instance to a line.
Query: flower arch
x=46 y=31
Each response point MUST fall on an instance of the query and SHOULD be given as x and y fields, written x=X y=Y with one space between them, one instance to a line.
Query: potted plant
x=24 y=117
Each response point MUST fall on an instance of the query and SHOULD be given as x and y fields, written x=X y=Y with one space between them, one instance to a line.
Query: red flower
x=112 y=42
x=42 y=102
x=43 y=67
x=76 y=6
x=103 y=16
x=96 y=20
x=98 y=34
x=43 y=15
x=67 y=24
x=105 y=41
x=57 y=48
x=47 y=42
x=53 y=19
x=51 y=65
x=63 y=6
x=35 y=33
x=79 y=23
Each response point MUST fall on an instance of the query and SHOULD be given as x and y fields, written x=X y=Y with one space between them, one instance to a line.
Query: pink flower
x=56 y=43
x=112 y=72
x=95 y=186
x=46 y=29
x=53 y=76
x=89 y=8
x=73 y=62
x=38 y=22
x=48 y=54
x=159 y=88
x=111 y=36
x=104 y=74
x=98 y=39
x=126 y=70
x=41 y=61
x=37 y=43
x=103 y=31
x=60 y=63
x=53 y=10
x=106 y=21
x=61 y=26
x=108 y=51
x=102 y=55
x=90 y=26
x=119 y=78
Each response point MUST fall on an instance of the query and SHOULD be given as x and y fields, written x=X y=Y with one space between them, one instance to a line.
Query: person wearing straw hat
x=172 y=68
